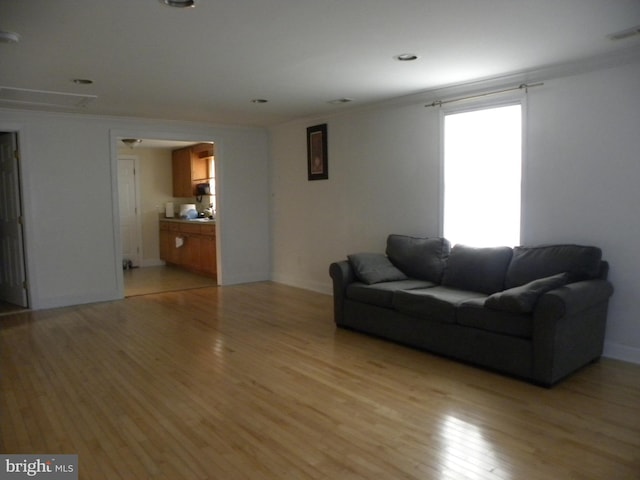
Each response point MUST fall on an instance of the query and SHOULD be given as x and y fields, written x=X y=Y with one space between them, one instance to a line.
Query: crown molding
x=541 y=74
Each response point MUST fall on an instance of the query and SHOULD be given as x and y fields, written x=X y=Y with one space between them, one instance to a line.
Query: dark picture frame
x=317 y=160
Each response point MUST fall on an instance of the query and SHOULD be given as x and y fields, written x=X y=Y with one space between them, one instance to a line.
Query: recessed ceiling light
x=179 y=3
x=406 y=57
x=9 y=37
x=340 y=100
x=82 y=81
x=259 y=100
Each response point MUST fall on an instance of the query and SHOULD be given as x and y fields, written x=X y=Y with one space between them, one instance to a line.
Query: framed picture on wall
x=317 y=163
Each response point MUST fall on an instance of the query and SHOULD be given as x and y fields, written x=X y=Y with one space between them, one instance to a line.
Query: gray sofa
x=537 y=313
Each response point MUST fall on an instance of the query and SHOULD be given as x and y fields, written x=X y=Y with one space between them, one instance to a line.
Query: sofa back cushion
x=422 y=258
x=523 y=299
x=531 y=263
x=477 y=269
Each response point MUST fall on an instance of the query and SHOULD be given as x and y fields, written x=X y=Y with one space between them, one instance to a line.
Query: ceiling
x=207 y=63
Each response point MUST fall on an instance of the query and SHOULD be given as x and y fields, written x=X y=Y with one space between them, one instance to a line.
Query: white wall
x=69 y=191
x=581 y=184
x=583 y=177
x=383 y=177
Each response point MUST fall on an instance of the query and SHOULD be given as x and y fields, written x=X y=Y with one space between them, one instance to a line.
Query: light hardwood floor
x=143 y=281
x=255 y=382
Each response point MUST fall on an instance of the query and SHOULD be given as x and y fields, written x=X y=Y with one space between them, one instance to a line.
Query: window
x=482 y=176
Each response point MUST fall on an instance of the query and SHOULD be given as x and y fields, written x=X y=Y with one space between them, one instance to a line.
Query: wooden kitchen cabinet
x=168 y=251
x=208 y=250
x=198 y=250
x=181 y=168
x=164 y=241
x=191 y=248
x=190 y=166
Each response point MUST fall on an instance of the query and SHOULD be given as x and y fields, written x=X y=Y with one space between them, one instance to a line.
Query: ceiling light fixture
x=9 y=37
x=131 y=142
x=179 y=3
x=259 y=100
x=82 y=81
x=406 y=57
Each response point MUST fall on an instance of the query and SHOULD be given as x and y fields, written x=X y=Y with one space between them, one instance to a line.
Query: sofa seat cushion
x=531 y=263
x=373 y=268
x=477 y=269
x=473 y=313
x=422 y=258
x=381 y=294
x=437 y=304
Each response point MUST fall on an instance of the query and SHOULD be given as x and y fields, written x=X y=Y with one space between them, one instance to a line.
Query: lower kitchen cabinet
x=208 y=251
x=189 y=245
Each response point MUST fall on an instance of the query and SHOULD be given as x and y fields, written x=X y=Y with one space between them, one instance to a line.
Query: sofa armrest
x=342 y=275
x=568 y=328
x=572 y=298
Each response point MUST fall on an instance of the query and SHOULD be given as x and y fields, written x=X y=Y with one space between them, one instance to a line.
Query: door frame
x=114 y=136
x=24 y=206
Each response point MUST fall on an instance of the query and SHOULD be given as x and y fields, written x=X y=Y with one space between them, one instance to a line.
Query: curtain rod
x=525 y=86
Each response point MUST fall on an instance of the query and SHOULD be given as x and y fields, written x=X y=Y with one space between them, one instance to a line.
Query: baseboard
x=324 y=287
x=72 y=300
x=244 y=278
x=621 y=352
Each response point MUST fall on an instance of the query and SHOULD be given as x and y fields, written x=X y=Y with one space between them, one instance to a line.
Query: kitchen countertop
x=206 y=221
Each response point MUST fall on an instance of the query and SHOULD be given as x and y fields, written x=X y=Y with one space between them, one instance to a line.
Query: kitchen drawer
x=208 y=229
x=189 y=228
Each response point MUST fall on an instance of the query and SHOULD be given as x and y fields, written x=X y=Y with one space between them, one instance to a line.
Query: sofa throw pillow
x=477 y=269
x=530 y=263
x=373 y=268
x=421 y=258
x=523 y=299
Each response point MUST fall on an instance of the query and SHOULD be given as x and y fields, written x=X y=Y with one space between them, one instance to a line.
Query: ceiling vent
x=43 y=98
x=623 y=34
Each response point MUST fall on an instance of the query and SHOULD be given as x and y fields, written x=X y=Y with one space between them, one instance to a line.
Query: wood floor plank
x=255 y=382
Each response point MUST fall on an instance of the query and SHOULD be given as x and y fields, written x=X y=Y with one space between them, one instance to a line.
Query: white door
x=129 y=221
x=12 y=271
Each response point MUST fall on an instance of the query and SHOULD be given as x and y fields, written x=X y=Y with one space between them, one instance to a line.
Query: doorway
x=145 y=187
x=13 y=279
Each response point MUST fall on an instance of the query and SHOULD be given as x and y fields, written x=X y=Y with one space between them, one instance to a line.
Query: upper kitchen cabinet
x=191 y=166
